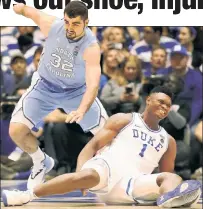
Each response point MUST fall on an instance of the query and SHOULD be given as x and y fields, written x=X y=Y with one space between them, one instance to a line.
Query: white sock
x=37 y=156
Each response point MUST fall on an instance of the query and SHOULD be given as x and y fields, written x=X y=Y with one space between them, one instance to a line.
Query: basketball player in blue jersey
x=117 y=164
x=67 y=77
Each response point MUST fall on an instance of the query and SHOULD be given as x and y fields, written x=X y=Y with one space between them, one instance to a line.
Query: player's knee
x=176 y=179
x=18 y=131
x=172 y=177
x=91 y=175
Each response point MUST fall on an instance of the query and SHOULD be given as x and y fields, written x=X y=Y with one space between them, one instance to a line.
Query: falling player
x=117 y=164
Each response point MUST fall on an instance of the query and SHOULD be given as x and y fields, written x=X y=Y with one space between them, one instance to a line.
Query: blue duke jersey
x=62 y=62
x=136 y=150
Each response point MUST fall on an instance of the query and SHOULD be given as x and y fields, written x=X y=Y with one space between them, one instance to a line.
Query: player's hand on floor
x=74 y=116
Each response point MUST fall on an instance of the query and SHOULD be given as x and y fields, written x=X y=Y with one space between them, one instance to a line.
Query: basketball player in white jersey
x=117 y=164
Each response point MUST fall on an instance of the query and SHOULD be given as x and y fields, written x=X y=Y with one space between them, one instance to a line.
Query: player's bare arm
x=43 y=21
x=167 y=162
x=93 y=72
x=104 y=137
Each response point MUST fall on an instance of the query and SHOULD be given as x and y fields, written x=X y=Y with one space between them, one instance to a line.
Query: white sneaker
x=16 y=197
x=39 y=171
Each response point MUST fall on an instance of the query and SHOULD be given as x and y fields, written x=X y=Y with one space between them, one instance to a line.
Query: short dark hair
x=162 y=89
x=159 y=47
x=76 y=8
x=17 y=57
x=157 y=29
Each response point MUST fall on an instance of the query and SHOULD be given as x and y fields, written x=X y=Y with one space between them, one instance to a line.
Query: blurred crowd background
x=133 y=61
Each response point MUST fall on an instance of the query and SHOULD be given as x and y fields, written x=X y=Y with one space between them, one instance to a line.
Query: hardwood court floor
x=73 y=200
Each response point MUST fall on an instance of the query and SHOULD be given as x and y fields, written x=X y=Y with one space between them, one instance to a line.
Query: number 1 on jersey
x=143 y=150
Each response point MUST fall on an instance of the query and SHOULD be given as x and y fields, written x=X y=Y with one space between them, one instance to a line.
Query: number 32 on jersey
x=60 y=63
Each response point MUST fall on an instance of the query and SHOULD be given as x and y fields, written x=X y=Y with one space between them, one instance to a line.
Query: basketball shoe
x=185 y=195
x=39 y=170
x=16 y=197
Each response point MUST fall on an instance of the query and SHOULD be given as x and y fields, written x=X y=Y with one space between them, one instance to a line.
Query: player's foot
x=39 y=171
x=16 y=197
x=186 y=194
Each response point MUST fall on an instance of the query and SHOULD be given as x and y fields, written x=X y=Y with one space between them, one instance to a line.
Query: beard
x=70 y=35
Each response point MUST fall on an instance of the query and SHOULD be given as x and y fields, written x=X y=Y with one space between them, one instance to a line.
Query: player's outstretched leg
x=42 y=163
x=84 y=179
x=184 y=193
